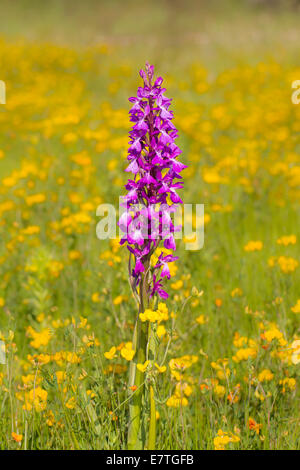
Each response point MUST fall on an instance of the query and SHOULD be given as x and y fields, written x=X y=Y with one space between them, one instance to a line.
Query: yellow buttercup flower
x=183 y=388
x=163 y=311
x=127 y=352
x=71 y=403
x=220 y=390
x=224 y=438
x=177 y=285
x=253 y=246
x=287 y=240
x=119 y=299
x=35 y=199
x=287 y=264
x=95 y=297
x=296 y=308
x=244 y=354
x=265 y=375
x=161 y=331
x=74 y=254
x=175 y=402
x=237 y=292
x=149 y=315
x=202 y=319
x=41 y=338
x=36 y=398
x=288 y=384
x=111 y=353
x=273 y=333
x=32 y=230
x=143 y=367
x=159 y=315
x=50 y=421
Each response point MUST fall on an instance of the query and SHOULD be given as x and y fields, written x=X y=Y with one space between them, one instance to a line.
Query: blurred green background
x=214 y=32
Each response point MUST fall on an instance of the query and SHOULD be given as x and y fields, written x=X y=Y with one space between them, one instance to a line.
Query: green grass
x=71 y=77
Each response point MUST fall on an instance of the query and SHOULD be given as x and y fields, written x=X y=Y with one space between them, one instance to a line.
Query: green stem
x=136 y=431
x=152 y=427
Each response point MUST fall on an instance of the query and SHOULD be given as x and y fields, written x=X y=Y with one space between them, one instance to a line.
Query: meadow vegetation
x=227 y=373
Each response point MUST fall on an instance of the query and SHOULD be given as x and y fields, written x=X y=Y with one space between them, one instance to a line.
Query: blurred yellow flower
x=96 y=297
x=296 y=308
x=219 y=390
x=71 y=403
x=287 y=240
x=224 y=438
x=143 y=367
x=127 y=352
x=111 y=353
x=202 y=319
x=17 y=437
x=161 y=369
x=265 y=375
x=253 y=246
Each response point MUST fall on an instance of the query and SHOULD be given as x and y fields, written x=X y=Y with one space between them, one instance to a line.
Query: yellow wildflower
x=287 y=264
x=50 y=418
x=161 y=369
x=74 y=254
x=17 y=437
x=119 y=299
x=237 y=292
x=175 y=402
x=287 y=240
x=253 y=425
x=224 y=438
x=95 y=297
x=36 y=398
x=161 y=331
x=202 y=319
x=143 y=367
x=244 y=354
x=149 y=315
x=39 y=339
x=127 y=352
x=265 y=375
x=177 y=285
x=296 y=308
x=71 y=403
x=288 y=383
x=35 y=199
x=111 y=353
x=219 y=390
x=253 y=246
x=32 y=230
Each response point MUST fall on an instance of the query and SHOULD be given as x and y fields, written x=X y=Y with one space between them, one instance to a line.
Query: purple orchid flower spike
x=153 y=161
x=146 y=223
